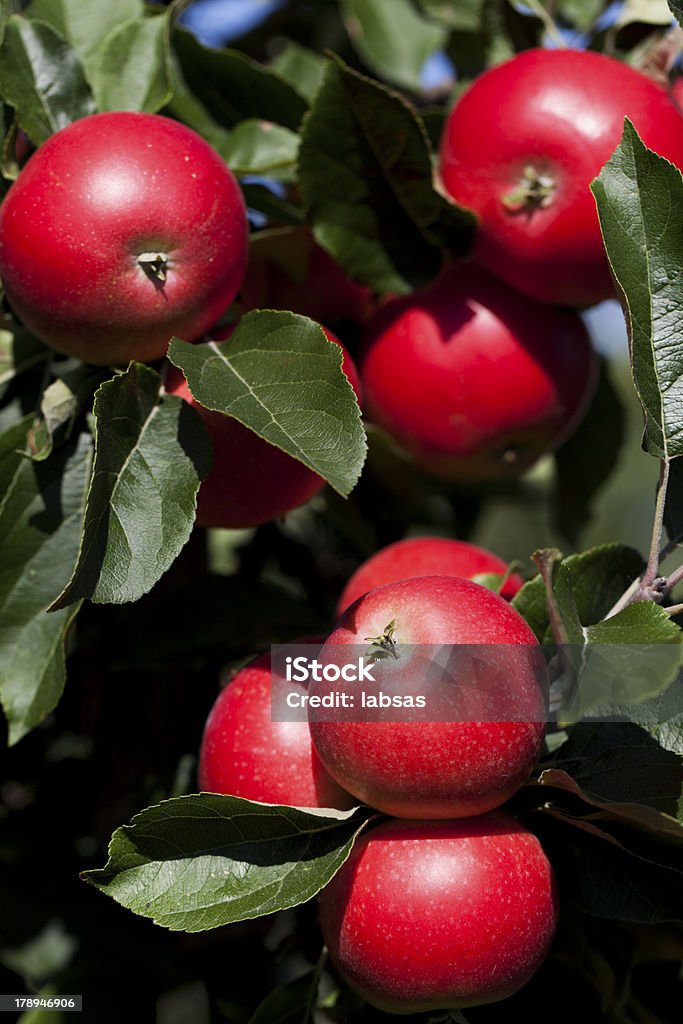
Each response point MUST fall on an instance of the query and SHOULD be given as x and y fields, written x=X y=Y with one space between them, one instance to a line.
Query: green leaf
x=40 y=524
x=279 y=375
x=393 y=39
x=618 y=861
x=628 y=658
x=58 y=408
x=42 y=78
x=582 y=13
x=623 y=762
x=150 y=457
x=19 y=351
x=560 y=601
x=85 y=23
x=233 y=87
x=365 y=167
x=673 y=506
x=201 y=861
x=676 y=8
x=578 y=478
x=292 y=1003
x=599 y=577
x=131 y=69
x=460 y=14
x=303 y=69
x=640 y=203
x=184 y=106
x=661 y=717
x=260 y=147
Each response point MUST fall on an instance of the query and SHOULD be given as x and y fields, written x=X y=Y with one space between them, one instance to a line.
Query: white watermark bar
x=471 y=682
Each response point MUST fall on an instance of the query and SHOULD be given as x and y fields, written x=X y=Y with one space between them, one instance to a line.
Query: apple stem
x=385 y=644
x=533 y=191
x=155 y=265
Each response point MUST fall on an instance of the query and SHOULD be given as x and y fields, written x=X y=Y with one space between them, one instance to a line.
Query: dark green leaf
x=629 y=657
x=366 y=177
x=661 y=717
x=184 y=106
x=562 y=611
x=292 y=1003
x=619 y=861
x=393 y=39
x=578 y=478
x=19 y=351
x=640 y=203
x=40 y=523
x=58 y=409
x=676 y=8
x=201 y=861
x=261 y=147
x=149 y=460
x=42 y=78
x=85 y=23
x=461 y=14
x=599 y=577
x=131 y=69
x=621 y=762
x=278 y=375
x=303 y=69
x=233 y=87
x=673 y=508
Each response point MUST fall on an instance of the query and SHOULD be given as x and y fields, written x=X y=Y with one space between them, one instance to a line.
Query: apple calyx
x=534 y=190
x=384 y=645
x=155 y=265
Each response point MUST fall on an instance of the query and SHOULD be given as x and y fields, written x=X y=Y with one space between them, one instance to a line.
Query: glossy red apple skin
x=425 y=556
x=463 y=760
x=473 y=379
x=441 y=915
x=245 y=753
x=251 y=481
x=295 y=273
x=91 y=200
x=562 y=113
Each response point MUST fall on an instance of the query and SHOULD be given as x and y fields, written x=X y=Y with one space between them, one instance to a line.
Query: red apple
x=473 y=379
x=477 y=667
x=425 y=556
x=521 y=147
x=122 y=230
x=437 y=915
x=289 y=270
x=245 y=753
x=251 y=481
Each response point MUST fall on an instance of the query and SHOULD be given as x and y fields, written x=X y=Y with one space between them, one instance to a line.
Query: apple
x=251 y=481
x=473 y=379
x=122 y=230
x=289 y=270
x=436 y=915
x=478 y=670
x=425 y=556
x=245 y=753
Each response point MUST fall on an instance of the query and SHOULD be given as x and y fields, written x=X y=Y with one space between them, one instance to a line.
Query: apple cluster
x=449 y=901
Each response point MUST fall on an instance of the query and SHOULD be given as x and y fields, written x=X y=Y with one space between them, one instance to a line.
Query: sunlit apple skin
x=251 y=481
x=245 y=753
x=425 y=556
x=91 y=200
x=473 y=379
x=463 y=760
x=561 y=113
x=441 y=915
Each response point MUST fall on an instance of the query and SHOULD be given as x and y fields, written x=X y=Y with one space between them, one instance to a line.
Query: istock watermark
x=560 y=684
